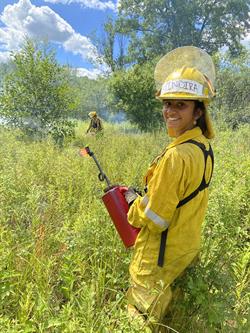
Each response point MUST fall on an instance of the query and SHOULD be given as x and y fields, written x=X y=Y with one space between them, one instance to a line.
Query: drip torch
x=115 y=204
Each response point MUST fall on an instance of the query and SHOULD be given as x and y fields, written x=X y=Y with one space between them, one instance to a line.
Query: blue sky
x=68 y=24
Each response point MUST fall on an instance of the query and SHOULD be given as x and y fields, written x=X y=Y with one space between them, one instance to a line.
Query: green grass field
x=63 y=267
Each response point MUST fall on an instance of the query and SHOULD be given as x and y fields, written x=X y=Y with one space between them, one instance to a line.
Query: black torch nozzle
x=101 y=175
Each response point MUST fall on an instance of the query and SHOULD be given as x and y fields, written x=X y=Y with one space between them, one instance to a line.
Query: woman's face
x=180 y=115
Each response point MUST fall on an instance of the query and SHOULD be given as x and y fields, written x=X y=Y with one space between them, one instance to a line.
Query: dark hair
x=201 y=122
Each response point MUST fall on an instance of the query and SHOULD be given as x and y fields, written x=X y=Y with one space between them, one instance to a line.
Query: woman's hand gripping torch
x=116 y=204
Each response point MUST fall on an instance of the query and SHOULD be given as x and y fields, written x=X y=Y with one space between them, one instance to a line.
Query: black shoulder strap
x=203 y=183
x=201 y=187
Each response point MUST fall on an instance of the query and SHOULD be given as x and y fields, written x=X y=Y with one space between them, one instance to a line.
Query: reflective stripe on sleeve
x=155 y=218
x=145 y=200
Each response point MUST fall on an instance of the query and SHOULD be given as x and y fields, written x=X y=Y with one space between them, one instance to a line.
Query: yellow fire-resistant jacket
x=170 y=178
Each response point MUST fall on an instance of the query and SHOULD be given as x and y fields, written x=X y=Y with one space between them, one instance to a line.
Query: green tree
x=157 y=26
x=38 y=96
x=134 y=92
x=232 y=102
x=111 y=46
x=5 y=68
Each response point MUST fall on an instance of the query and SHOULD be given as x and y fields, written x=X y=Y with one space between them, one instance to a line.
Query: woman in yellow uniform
x=171 y=212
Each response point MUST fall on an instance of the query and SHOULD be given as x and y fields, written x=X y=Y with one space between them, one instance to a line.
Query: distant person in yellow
x=95 y=125
x=171 y=212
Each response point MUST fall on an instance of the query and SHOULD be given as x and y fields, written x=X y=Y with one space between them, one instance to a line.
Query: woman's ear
x=197 y=113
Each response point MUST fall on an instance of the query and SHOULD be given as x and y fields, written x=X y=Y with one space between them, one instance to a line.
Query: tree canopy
x=134 y=93
x=232 y=102
x=157 y=26
x=37 y=96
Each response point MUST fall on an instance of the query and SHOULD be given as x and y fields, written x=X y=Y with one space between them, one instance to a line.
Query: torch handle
x=104 y=177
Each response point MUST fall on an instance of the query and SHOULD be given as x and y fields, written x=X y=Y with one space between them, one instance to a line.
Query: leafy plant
x=134 y=93
x=37 y=93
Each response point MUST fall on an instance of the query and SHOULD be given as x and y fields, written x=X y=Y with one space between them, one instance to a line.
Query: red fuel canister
x=117 y=207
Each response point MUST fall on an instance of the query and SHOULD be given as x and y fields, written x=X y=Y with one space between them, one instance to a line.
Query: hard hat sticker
x=186 y=86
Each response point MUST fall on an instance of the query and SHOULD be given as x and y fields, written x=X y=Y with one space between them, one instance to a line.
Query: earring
x=195 y=122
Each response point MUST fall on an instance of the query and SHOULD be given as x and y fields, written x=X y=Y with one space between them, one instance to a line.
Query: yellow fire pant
x=151 y=302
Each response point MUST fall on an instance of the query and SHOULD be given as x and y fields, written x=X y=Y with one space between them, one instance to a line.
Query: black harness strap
x=162 y=248
x=201 y=187
x=203 y=183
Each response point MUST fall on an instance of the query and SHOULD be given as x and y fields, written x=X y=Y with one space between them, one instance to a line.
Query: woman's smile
x=172 y=119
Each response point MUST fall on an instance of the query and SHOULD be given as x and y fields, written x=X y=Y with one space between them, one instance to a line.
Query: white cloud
x=24 y=19
x=91 y=74
x=10 y=38
x=78 y=44
x=36 y=21
x=95 y=4
x=4 y=56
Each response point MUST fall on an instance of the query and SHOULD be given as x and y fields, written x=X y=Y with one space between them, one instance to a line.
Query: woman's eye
x=167 y=104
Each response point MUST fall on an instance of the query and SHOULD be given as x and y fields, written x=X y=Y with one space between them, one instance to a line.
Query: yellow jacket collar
x=188 y=135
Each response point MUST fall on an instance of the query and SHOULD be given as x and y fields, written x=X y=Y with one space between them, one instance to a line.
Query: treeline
x=42 y=98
